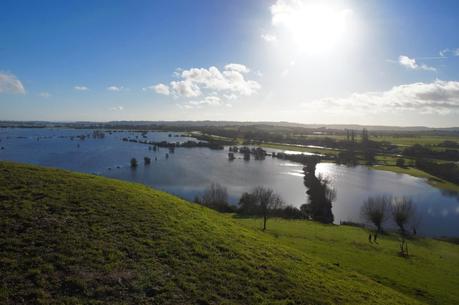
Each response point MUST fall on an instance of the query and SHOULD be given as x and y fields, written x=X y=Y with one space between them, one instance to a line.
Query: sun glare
x=315 y=28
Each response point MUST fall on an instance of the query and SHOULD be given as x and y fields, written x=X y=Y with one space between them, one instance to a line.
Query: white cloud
x=238 y=68
x=185 y=88
x=115 y=88
x=446 y=52
x=162 y=89
x=44 y=94
x=269 y=37
x=230 y=97
x=411 y=63
x=407 y=62
x=438 y=97
x=9 y=83
x=212 y=84
x=81 y=88
x=117 y=108
x=207 y=101
x=230 y=80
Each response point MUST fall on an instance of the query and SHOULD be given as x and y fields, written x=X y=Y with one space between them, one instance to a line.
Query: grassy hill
x=430 y=273
x=68 y=238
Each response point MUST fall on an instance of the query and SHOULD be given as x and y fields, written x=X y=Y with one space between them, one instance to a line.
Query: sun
x=314 y=27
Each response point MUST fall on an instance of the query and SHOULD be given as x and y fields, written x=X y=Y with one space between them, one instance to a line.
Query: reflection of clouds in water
x=444 y=212
x=290 y=164
x=457 y=210
x=430 y=212
x=294 y=173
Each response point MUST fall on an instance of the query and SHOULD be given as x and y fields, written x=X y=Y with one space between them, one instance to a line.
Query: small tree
x=133 y=162
x=216 y=197
x=147 y=160
x=267 y=201
x=403 y=211
x=375 y=210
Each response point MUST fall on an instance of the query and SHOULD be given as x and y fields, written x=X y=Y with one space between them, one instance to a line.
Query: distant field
x=415 y=139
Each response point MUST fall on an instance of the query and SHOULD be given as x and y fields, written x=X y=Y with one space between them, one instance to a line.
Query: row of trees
x=262 y=201
x=379 y=209
x=366 y=147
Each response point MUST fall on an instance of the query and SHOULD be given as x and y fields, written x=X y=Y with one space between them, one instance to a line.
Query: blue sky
x=367 y=62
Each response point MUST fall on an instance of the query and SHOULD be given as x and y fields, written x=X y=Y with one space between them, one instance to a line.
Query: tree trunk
x=264 y=222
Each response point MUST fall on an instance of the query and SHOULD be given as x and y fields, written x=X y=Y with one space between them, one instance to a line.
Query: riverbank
x=389 y=165
x=432 y=180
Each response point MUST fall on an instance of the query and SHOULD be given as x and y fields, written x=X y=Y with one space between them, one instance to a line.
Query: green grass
x=68 y=238
x=431 y=273
x=404 y=140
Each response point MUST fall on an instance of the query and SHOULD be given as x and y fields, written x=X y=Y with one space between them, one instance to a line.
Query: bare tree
x=375 y=210
x=215 y=197
x=403 y=212
x=267 y=201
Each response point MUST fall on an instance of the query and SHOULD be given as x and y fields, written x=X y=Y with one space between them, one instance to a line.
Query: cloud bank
x=438 y=97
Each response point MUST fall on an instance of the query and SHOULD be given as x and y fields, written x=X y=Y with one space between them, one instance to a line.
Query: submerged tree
x=133 y=163
x=375 y=210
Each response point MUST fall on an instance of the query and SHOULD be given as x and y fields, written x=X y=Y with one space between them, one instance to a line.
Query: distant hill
x=68 y=238
x=224 y=123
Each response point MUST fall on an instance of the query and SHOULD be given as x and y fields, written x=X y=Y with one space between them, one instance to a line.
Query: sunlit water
x=189 y=171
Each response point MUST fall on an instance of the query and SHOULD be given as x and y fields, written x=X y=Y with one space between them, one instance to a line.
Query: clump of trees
x=147 y=160
x=448 y=171
x=378 y=210
x=320 y=195
x=215 y=197
x=134 y=163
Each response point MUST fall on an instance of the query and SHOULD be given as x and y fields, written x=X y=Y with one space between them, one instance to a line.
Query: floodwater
x=188 y=171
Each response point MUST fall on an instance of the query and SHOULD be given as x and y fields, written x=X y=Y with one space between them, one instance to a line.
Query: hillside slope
x=68 y=238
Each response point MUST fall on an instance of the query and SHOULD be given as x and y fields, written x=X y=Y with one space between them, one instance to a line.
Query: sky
x=328 y=62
